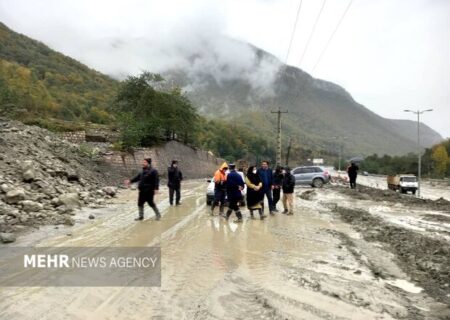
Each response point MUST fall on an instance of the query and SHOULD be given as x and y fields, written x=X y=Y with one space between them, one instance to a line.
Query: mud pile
x=425 y=259
x=43 y=179
x=308 y=195
x=368 y=193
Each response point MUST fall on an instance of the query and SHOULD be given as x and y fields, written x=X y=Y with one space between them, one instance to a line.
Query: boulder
x=70 y=200
x=72 y=175
x=64 y=210
x=28 y=171
x=7 y=237
x=84 y=194
x=15 y=196
x=100 y=193
x=55 y=201
x=5 y=188
x=31 y=206
x=68 y=221
x=110 y=191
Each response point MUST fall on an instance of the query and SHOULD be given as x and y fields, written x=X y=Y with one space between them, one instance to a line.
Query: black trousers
x=276 y=196
x=233 y=205
x=352 y=182
x=147 y=196
x=177 y=193
x=219 y=197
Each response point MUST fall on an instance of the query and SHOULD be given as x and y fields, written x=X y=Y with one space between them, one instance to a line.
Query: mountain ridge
x=319 y=110
x=241 y=92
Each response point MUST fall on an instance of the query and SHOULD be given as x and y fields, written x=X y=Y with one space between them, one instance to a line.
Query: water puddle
x=405 y=285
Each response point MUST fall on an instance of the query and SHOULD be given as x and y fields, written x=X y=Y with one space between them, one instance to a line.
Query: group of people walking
x=229 y=184
x=261 y=183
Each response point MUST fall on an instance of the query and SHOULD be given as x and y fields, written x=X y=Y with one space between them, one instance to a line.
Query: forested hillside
x=40 y=83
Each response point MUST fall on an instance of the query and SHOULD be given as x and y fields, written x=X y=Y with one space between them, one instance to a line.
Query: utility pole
x=288 y=153
x=339 y=150
x=419 y=148
x=279 y=112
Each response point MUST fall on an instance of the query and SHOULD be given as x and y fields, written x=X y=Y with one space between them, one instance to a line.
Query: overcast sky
x=389 y=54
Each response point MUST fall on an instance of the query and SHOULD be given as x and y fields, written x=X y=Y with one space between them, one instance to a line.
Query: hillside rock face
x=43 y=179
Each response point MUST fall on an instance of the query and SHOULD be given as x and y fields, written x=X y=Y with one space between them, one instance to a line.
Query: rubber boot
x=213 y=205
x=251 y=215
x=228 y=214
x=141 y=214
x=261 y=214
x=157 y=214
x=239 y=216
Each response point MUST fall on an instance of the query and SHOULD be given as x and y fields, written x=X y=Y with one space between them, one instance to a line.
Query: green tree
x=148 y=116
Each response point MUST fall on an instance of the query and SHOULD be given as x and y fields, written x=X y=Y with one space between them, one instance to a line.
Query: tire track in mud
x=425 y=259
x=375 y=254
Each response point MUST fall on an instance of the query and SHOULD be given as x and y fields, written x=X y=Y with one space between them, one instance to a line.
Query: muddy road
x=429 y=189
x=316 y=264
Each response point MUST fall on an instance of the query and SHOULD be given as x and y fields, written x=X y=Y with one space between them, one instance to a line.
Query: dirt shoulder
x=368 y=193
x=424 y=258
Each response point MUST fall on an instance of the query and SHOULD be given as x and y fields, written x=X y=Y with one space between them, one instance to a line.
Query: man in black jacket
x=288 y=191
x=148 y=186
x=174 y=176
x=352 y=172
x=277 y=184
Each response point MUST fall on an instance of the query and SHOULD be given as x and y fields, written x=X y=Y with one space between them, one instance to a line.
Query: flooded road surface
x=286 y=267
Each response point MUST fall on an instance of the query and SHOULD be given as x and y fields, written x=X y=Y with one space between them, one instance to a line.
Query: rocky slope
x=43 y=179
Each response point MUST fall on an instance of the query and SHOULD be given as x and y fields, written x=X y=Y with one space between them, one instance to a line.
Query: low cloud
x=151 y=38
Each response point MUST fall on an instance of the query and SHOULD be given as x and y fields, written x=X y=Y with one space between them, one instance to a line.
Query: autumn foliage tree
x=440 y=160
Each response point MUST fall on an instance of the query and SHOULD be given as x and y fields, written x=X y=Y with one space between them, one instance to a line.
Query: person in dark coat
x=277 y=184
x=235 y=184
x=175 y=177
x=266 y=175
x=288 y=191
x=148 y=186
x=255 y=196
x=352 y=172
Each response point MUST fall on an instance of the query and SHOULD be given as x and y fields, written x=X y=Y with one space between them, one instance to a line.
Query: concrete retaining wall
x=194 y=163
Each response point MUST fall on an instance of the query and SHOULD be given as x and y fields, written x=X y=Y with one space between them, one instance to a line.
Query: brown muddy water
x=306 y=266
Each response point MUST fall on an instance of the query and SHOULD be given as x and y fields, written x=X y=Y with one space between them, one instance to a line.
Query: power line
x=293 y=32
x=279 y=112
x=312 y=32
x=332 y=35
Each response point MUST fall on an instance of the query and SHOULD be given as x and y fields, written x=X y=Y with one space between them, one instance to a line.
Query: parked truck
x=403 y=183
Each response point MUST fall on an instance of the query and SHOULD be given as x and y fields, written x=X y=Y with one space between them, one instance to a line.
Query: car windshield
x=409 y=179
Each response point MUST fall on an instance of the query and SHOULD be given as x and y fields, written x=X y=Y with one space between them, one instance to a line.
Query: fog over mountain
x=196 y=47
x=389 y=55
